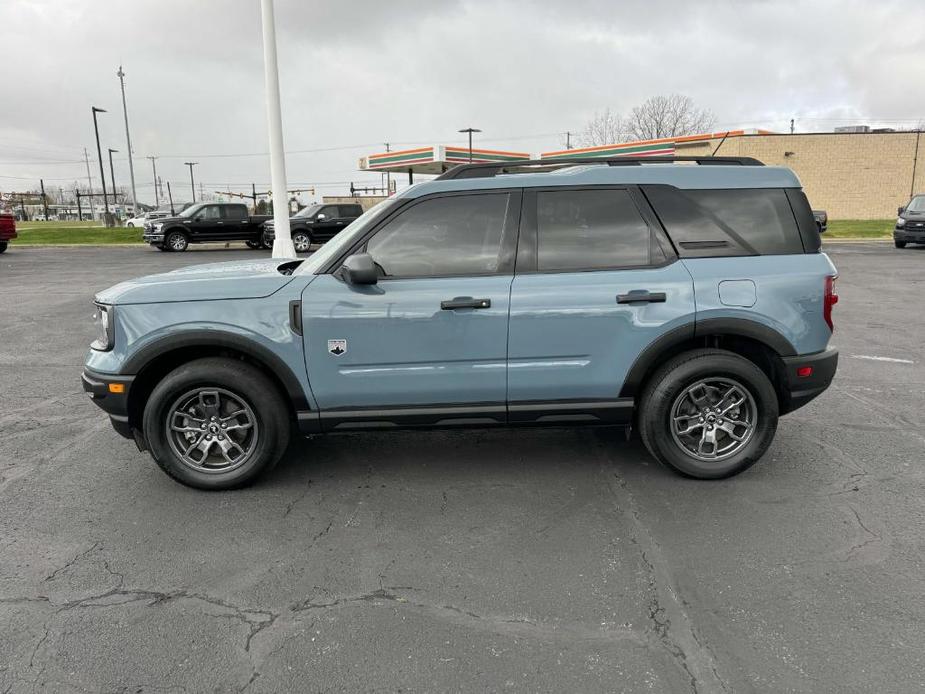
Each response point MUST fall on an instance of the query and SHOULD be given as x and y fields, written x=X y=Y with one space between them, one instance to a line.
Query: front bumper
x=909 y=234
x=153 y=237
x=110 y=393
x=799 y=390
x=269 y=234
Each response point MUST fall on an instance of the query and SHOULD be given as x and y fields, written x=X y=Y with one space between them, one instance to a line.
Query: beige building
x=850 y=175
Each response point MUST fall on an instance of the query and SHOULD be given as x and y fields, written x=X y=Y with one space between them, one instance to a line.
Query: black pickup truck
x=315 y=224
x=204 y=222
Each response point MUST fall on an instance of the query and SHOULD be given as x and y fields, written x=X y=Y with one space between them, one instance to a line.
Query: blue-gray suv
x=686 y=297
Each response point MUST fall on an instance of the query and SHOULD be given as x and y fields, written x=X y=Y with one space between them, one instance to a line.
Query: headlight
x=157 y=227
x=900 y=221
x=102 y=319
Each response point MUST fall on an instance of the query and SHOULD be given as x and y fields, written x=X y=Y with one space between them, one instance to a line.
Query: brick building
x=861 y=175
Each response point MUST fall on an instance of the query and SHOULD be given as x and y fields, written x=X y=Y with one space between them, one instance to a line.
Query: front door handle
x=464 y=302
x=641 y=296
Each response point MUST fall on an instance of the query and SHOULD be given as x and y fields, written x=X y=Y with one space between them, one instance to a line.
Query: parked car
x=7 y=230
x=314 y=224
x=822 y=220
x=690 y=301
x=203 y=222
x=142 y=219
x=910 y=224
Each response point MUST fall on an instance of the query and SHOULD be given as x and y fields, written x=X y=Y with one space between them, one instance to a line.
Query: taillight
x=829 y=300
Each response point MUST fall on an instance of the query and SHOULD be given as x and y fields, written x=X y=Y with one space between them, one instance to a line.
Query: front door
x=208 y=224
x=427 y=344
x=596 y=283
x=326 y=224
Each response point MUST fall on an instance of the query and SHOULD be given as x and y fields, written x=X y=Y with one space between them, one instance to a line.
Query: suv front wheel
x=216 y=423
x=708 y=414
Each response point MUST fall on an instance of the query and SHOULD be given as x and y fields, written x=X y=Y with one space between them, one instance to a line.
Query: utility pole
x=470 y=131
x=99 y=153
x=253 y=196
x=44 y=199
x=89 y=185
x=282 y=243
x=112 y=177
x=128 y=142
x=568 y=140
x=170 y=197
x=791 y=126
x=157 y=200
x=202 y=196
x=388 y=174
x=192 y=183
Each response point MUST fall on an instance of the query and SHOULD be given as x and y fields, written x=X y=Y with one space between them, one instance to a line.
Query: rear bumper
x=799 y=390
x=97 y=386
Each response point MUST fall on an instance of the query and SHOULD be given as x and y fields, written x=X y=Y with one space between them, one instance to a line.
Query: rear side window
x=591 y=230
x=350 y=211
x=235 y=212
x=761 y=217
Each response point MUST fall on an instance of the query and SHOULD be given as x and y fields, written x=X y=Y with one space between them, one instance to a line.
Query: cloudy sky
x=360 y=73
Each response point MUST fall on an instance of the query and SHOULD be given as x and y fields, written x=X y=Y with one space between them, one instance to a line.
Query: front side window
x=591 y=229
x=453 y=235
x=329 y=211
x=209 y=213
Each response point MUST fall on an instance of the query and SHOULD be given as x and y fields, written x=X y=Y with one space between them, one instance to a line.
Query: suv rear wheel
x=899 y=244
x=216 y=424
x=708 y=414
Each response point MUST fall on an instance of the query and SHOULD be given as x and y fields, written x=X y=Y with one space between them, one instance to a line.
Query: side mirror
x=320 y=217
x=900 y=210
x=360 y=269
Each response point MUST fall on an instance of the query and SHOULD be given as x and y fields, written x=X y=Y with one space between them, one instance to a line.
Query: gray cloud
x=360 y=73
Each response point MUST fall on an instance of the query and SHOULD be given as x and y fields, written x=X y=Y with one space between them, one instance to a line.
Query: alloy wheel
x=713 y=419
x=212 y=430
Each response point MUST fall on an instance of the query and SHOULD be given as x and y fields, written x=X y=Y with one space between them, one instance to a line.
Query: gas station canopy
x=434 y=160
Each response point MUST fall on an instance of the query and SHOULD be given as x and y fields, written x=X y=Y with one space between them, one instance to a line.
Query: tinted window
x=589 y=229
x=350 y=210
x=235 y=212
x=329 y=211
x=456 y=235
x=761 y=217
x=210 y=212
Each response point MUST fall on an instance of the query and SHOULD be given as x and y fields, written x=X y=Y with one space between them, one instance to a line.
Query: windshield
x=307 y=212
x=917 y=204
x=347 y=237
x=191 y=210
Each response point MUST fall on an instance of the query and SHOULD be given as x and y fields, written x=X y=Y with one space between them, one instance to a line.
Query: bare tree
x=668 y=116
x=604 y=128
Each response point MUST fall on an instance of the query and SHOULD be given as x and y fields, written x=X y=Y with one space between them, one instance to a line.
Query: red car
x=7 y=230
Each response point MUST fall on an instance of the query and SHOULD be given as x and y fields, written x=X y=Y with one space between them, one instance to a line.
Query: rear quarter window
x=727 y=222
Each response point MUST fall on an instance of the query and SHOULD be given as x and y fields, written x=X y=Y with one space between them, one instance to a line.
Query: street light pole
x=128 y=142
x=157 y=200
x=112 y=178
x=99 y=154
x=282 y=243
x=192 y=183
x=470 y=131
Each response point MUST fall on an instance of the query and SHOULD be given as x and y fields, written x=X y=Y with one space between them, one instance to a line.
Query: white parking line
x=889 y=359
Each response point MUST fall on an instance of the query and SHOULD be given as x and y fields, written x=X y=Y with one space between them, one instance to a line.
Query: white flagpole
x=282 y=244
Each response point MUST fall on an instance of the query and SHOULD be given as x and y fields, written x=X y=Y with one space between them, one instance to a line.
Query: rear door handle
x=464 y=302
x=641 y=296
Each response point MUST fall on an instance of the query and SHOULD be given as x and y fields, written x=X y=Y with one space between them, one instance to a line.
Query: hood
x=161 y=220
x=238 y=279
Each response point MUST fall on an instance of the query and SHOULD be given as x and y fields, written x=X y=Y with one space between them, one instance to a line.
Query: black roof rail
x=491 y=169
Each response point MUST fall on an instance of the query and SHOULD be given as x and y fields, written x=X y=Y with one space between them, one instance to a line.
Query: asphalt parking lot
x=537 y=560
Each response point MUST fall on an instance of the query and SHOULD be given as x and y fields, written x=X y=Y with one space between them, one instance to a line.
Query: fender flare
x=211 y=338
x=733 y=327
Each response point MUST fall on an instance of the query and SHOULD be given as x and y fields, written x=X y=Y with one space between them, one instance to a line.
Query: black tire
x=899 y=244
x=176 y=241
x=665 y=389
x=301 y=240
x=255 y=245
x=264 y=243
x=3 y=246
x=162 y=247
x=240 y=381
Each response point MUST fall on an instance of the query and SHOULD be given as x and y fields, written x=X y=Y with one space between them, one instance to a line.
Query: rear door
x=427 y=344
x=236 y=223
x=596 y=283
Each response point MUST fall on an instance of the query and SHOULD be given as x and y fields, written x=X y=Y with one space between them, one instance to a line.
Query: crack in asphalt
x=77 y=557
x=672 y=626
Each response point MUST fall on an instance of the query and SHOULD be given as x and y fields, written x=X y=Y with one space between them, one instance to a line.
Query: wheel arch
x=150 y=364
x=760 y=344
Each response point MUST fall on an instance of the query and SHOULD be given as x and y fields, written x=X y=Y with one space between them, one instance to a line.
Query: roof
x=681 y=176
x=434 y=159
